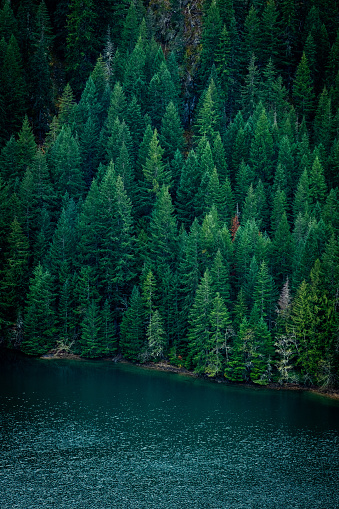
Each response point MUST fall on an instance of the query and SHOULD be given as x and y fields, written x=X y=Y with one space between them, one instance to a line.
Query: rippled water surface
x=99 y=435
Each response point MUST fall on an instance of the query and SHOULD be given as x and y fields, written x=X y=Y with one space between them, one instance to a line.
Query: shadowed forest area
x=169 y=179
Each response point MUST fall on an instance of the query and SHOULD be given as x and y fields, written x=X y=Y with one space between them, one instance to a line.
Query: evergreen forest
x=169 y=175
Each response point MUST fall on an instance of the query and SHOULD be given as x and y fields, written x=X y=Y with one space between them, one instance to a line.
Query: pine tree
x=40 y=79
x=209 y=237
x=64 y=160
x=302 y=200
x=99 y=76
x=189 y=276
x=271 y=30
x=136 y=124
x=15 y=273
x=260 y=353
x=85 y=293
x=303 y=93
x=208 y=119
x=124 y=168
x=134 y=76
x=132 y=328
x=199 y=325
x=188 y=187
x=220 y=277
x=155 y=174
x=317 y=183
x=149 y=296
x=332 y=64
x=66 y=320
x=262 y=150
x=250 y=282
x=87 y=106
x=219 y=337
x=287 y=162
x=143 y=151
x=81 y=51
x=91 y=341
x=39 y=314
x=285 y=341
x=116 y=242
x=163 y=232
x=279 y=208
x=90 y=227
x=130 y=30
x=323 y=122
x=107 y=332
x=243 y=180
x=251 y=91
x=26 y=195
x=14 y=86
x=252 y=36
x=88 y=146
x=239 y=364
x=171 y=134
x=61 y=256
x=265 y=293
x=219 y=157
x=43 y=235
x=301 y=318
x=161 y=92
x=250 y=210
x=120 y=134
x=67 y=108
x=26 y=147
x=8 y=23
x=156 y=339
x=222 y=61
x=212 y=28
x=330 y=213
x=176 y=166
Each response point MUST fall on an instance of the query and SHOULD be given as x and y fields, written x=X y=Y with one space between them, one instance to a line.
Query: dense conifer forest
x=169 y=178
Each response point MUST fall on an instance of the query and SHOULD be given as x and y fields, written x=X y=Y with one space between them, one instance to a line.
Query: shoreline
x=170 y=368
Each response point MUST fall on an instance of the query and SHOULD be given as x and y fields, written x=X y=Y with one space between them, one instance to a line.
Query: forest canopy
x=169 y=179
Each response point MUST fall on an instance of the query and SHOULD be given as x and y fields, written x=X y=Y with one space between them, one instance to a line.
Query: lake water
x=78 y=434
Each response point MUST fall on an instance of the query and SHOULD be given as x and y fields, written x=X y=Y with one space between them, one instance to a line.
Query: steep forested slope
x=168 y=187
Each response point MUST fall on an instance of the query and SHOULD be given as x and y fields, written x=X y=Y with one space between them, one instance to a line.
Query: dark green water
x=99 y=435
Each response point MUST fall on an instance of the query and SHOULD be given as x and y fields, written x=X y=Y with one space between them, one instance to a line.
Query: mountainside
x=169 y=184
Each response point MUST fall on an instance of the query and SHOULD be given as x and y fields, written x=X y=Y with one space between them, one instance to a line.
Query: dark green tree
x=14 y=87
x=303 y=93
x=171 y=134
x=81 y=50
x=39 y=317
x=132 y=330
x=212 y=28
x=91 y=340
x=14 y=273
x=199 y=326
x=130 y=30
x=219 y=339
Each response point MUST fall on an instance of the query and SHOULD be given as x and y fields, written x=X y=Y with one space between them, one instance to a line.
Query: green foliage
x=171 y=135
x=15 y=272
x=303 y=93
x=212 y=29
x=132 y=328
x=199 y=325
x=81 y=51
x=39 y=314
x=198 y=157
x=13 y=86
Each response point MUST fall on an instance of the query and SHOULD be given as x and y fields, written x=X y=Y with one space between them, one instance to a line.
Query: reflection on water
x=99 y=435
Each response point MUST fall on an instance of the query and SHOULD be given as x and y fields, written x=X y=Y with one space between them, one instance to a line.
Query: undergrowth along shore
x=167 y=367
